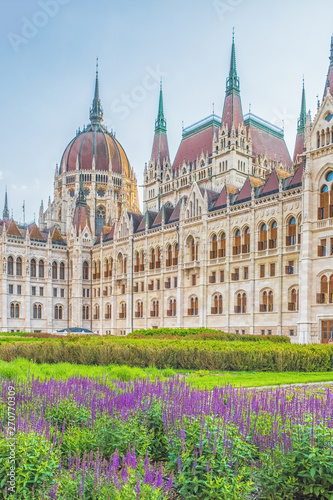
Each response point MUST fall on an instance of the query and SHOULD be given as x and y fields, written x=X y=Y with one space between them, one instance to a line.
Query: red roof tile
x=192 y=146
x=299 y=146
x=222 y=199
x=245 y=192
x=265 y=143
x=272 y=184
x=232 y=111
x=81 y=218
x=160 y=148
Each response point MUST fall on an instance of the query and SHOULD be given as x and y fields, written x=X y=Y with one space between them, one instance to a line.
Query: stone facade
x=234 y=234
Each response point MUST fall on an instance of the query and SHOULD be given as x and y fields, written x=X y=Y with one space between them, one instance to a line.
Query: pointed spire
x=160 y=123
x=96 y=111
x=233 y=80
x=81 y=199
x=302 y=117
x=5 y=210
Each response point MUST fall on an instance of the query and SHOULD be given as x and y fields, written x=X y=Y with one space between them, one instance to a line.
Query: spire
x=81 y=215
x=81 y=199
x=233 y=80
x=302 y=117
x=5 y=209
x=160 y=123
x=160 y=150
x=329 y=79
x=232 y=110
x=96 y=111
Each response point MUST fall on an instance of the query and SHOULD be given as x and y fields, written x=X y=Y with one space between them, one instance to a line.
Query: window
x=235 y=275
x=262 y=270
x=108 y=311
x=14 y=310
x=246 y=246
x=325 y=208
x=262 y=243
x=10 y=289
x=194 y=280
x=158 y=284
x=54 y=270
x=142 y=286
x=175 y=260
x=33 y=268
x=175 y=282
x=155 y=309
x=122 y=313
x=58 y=312
x=246 y=273
x=291 y=333
x=290 y=267
x=10 y=266
x=37 y=311
x=212 y=278
x=269 y=332
x=19 y=289
x=222 y=245
x=267 y=301
x=41 y=291
x=262 y=332
x=322 y=248
x=62 y=292
x=85 y=312
x=291 y=232
x=172 y=308
x=41 y=269
x=152 y=260
x=19 y=266
x=169 y=256
x=217 y=305
x=85 y=270
x=55 y=292
x=222 y=276
x=33 y=290
x=139 y=310
x=272 y=269
x=240 y=306
x=273 y=238
x=194 y=250
x=237 y=243
x=213 y=252
x=97 y=312
x=293 y=303
x=194 y=307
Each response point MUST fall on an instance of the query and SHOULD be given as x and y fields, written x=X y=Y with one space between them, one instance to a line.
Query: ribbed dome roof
x=95 y=143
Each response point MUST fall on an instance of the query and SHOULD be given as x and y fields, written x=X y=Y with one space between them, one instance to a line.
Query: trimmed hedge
x=177 y=354
x=205 y=334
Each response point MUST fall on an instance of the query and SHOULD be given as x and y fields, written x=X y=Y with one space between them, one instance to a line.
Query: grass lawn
x=201 y=379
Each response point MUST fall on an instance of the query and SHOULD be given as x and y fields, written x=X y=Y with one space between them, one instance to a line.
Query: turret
x=160 y=151
x=299 y=144
x=5 y=214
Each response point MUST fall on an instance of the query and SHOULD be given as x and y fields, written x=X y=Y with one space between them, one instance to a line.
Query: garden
x=121 y=424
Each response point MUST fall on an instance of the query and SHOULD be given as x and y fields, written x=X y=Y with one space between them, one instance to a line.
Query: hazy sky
x=48 y=51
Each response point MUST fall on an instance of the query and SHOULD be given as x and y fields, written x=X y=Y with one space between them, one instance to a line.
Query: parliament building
x=235 y=234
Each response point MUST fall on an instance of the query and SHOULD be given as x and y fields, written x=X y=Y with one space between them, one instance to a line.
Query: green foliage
x=74 y=414
x=305 y=472
x=36 y=465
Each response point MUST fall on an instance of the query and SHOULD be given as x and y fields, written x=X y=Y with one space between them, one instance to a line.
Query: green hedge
x=205 y=334
x=177 y=354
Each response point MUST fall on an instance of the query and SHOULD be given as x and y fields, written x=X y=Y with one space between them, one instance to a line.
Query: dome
x=95 y=143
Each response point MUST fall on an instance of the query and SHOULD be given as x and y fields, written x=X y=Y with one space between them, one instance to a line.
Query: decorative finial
x=5 y=210
x=233 y=34
x=213 y=108
x=250 y=108
x=96 y=111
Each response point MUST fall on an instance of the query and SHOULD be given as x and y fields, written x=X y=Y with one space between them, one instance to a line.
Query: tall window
x=54 y=270
x=37 y=311
x=100 y=219
x=19 y=266
x=273 y=238
x=33 y=268
x=14 y=310
x=175 y=260
x=291 y=232
x=85 y=270
x=96 y=315
x=194 y=250
x=247 y=236
x=168 y=262
x=108 y=311
x=222 y=245
x=136 y=262
x=240 y=306
x=58 y=310
x=324 y=203
x=293 y=304
x=41 y=269
x=152 y=259
x=62 y=271
x=217 y=304
x=213 y=252
x=139 y=309
x=194 y=307
x=10 y=265
x=237 y=243
x=155 y=309
x=262 y=243
x=122 y=313
x=172 y=308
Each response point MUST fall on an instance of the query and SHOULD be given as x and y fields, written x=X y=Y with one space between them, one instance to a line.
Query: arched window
x=85 y=270
x=152 y=260
x=54 y=270
x=37 y=311
x=175 y=260
x=33 y=268
x=322 y=297
x=139 y=309
x=222 y=245
x=270 y=301
x=293 y=304
x=122 y=313
x=324 y=208
x=136 y=262
x=213 y=252
x=194 y=250
x=237 y=243
x=124 y=265
x=10 y=265
x=96 y=315
x=142 y=261
x=155 y=309
x=85 y=312
x=108 y=311
x=194 y=307
x=62 y=271
x=18 y=266
x=273 y=238
x=247 y=236
x=168 y=261
x=217 y=305
x=110 y=267
x=41 y=269
x=14 y=310
x=291 y=232
x=262 y=243
x=100 y=219
x=240 y=306
x=58 y=312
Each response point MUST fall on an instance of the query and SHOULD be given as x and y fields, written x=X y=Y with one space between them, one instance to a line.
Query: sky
x=47 y=64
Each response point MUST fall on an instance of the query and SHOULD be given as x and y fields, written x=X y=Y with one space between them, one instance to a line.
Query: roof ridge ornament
x=96 y=111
